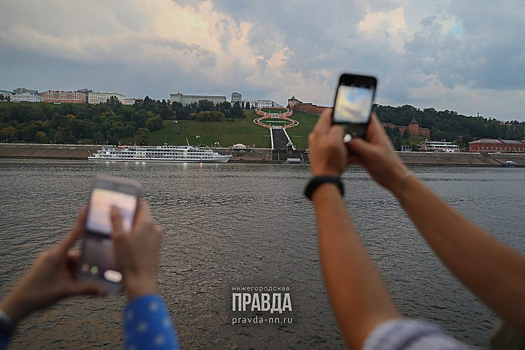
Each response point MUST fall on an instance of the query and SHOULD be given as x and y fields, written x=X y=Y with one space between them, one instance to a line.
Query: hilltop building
x=297 y=105
x=26 y=97
x=64 y=96
x=189 y=99
x=102 y=97
x=493 y=146
x=414 y=130
x=18 y=91
x=236 y=97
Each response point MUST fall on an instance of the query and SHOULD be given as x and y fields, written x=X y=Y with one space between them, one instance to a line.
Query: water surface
x=249 y=225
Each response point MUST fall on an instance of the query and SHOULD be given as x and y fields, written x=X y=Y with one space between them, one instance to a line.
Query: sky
x=464 y=55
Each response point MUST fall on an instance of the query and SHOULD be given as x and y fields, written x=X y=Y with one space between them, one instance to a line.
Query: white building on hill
x=25 y=97
x=189 y=99
x=102 y=97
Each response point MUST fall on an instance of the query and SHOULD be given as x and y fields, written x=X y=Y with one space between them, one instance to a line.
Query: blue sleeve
x=407 y=334
x=4 y=341
x=147 y=324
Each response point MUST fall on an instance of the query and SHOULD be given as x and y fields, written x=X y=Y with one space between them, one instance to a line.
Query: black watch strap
x=317 y=181
x=6 y=326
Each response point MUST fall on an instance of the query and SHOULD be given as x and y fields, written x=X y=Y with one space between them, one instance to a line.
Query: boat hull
x=160 y=160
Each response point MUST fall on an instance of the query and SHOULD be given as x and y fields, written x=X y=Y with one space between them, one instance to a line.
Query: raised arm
x=489 y=268
x=356 y=290
x=147 y=322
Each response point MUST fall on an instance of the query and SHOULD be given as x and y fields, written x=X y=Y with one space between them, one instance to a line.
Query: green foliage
x=190 y=112
x=450 y=125
x=142 y=136
x=208 y=116
x=70 y=123
x=154 y=123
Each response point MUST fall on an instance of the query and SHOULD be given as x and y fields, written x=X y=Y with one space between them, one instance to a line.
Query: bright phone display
x=353 y=104
x=100 y=206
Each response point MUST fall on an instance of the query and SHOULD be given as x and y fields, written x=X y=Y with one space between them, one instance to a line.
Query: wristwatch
x=6 y=326
x=317 y=181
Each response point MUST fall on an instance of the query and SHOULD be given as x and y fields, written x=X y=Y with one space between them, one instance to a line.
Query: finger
x=116 y=223
x=84 y=288
x=336 y=133
x=76 y=231
x=73 y=256
x=144 y=213
x=360 y=147
x=375 y=131
x=324 y=122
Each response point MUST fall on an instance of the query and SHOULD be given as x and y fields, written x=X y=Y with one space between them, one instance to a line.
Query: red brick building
x=493 y=146
x=65 y=97
x=414 y=130
x=299 y=106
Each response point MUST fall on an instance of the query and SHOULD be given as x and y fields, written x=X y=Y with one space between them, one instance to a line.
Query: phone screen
x=353 y=104
x=102 y=200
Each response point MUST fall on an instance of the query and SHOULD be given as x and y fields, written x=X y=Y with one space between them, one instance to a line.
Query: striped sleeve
x=407 y=334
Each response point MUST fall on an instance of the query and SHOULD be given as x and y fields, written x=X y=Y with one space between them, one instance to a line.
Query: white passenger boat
x=166 y=153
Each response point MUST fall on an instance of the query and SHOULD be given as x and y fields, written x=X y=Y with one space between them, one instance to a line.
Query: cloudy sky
x=464 y=55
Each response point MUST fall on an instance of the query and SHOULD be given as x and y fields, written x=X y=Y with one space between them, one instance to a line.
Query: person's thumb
x=360 y=147
x=84 y=288
x=116 y=223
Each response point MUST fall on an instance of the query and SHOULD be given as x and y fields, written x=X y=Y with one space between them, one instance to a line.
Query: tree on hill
x=142 y=136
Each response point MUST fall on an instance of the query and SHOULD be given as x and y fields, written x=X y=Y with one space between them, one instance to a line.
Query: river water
x=234 y=225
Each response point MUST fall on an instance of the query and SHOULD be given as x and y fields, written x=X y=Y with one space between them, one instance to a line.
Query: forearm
x=492 y=270
x=357 y=293
x=147 y=324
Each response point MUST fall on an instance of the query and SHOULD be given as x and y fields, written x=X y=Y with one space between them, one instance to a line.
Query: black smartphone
x=97 y=262
x=353 y=103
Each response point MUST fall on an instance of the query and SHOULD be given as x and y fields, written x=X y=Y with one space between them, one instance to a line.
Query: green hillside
x=228 y=133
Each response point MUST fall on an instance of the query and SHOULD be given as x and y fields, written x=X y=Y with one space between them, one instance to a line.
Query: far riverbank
x=264 y=155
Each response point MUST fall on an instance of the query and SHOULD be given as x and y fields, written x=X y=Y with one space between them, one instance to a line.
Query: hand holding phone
x=137 y=252
x=97 y=263
x=353 y=103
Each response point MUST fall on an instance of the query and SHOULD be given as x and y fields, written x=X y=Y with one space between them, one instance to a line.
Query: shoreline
x=263 y=155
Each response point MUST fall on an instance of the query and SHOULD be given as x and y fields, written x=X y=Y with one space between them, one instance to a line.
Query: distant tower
x=413 y=128
x=292 y=101
x=236 y=97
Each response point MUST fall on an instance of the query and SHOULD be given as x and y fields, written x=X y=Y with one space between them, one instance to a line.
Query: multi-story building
x=64 y=97
x=19 y=91
x=102 y=97
x=25 y=97
x=494 y=146
x=236 y=97
x=189 y=99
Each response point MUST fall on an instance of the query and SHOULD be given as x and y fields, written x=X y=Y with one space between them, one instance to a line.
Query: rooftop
x=500 y=142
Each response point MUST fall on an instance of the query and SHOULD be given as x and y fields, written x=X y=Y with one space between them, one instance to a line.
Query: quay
x=266 y=155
